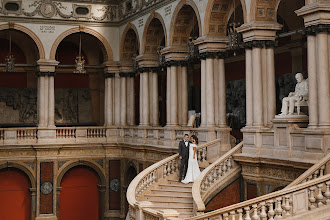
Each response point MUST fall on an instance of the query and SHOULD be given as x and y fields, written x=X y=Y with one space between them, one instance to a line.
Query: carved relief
x=265 y=10
x=47 y=9
x=130 y=47
x=218 y=17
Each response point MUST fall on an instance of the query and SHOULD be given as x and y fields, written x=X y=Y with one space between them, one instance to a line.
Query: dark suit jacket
x=183 y=150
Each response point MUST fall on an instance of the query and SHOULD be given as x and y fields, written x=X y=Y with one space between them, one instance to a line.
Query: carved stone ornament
x=46 y=188
x=115 y=185
x=47 y=10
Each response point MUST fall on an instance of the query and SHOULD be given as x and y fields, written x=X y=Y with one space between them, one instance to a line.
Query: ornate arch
x=22 y=167
x=128 y=27
x=181 y=4
x=30 y=33
x=219 y=12
x=100 y=37
x=153 y=15
x=87 y=163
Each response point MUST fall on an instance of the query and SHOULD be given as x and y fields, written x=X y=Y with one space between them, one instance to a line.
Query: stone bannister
x=155 y=177
x=316 y=171
x=133 y=135
x=309 y=200
x=214 y=178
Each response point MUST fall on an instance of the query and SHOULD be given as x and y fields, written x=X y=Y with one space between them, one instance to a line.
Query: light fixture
x=80 y=61
x=193 y=51
x=235 y=38
x=161 y=58
x=10 y=59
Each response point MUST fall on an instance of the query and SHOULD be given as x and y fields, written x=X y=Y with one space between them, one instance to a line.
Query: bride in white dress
x=193 y=169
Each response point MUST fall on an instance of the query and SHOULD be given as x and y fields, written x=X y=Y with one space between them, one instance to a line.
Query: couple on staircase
x=188 y=159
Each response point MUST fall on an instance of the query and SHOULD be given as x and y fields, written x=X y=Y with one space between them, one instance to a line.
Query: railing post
x=142 y=205
x=168 y=214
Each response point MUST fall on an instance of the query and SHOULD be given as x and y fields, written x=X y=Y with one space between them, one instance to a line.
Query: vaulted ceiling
x=95 y=1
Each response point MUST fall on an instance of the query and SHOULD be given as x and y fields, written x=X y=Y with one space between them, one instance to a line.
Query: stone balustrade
x=302 y=201
x=151 y=177
x=316 y=171
x=215 y=176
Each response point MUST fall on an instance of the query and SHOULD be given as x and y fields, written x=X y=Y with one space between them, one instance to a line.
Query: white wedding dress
x=193 y=169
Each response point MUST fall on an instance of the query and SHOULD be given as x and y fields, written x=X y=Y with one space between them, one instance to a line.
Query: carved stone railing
x=1 y=134
x=65 y=133
x=27 y=133
x=150 y=177
x=297 y=200
x=96 y=132
x=316 y=171
x=213 y=177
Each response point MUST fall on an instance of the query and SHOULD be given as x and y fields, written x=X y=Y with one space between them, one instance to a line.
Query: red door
x=15 y=198
x=79 y=198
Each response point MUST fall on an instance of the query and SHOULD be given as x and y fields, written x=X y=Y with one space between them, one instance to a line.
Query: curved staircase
x=156 y=192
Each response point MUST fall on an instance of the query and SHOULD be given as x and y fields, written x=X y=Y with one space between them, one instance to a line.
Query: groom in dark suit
x=184 y=155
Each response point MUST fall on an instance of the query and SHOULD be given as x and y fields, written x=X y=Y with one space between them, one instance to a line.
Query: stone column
x=203 y=91
x=323 y=77
x=312 y=81
x=154 y=102
x=209 y=90
x=145 y=98
x=222 y=121
x=117 y=99
x=42 y=93
x=130 y=99
x=108 y=99
x=123 y=99
x=184 y=94
x=174 y=93
x=271 y=89
x=257 y=86
x=249 y=86
x=168 y=96
x=51 y=100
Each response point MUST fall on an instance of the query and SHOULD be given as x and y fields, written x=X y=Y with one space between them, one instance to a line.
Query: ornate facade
x=155 y=70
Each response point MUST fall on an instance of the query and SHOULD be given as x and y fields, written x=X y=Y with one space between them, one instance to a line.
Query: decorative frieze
x=259 y=44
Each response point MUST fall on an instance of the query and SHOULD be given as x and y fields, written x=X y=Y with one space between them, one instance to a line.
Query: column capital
x=259 y=30
x=173 y=63
x=109 y=75
x=315 y=13
x=259 y=44
x=47 y=65
x=222 y=55
x=148 y=69
x=208 y=55
x=211 y=43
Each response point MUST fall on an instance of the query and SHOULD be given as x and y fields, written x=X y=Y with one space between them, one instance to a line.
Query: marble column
x=222 y=121
x=184 y=94
x=203 y=91
x=145 y=99
x=141 y=99
x=42 y=95
x=271 y=89
x=209 y=91
x=257 y=87
x=123 y=99
x=312 y=82
x=108 y=99
x=323 y=88
x=130 y=99
x=174 y=93
x=51 y=100
x=117 y=99
x=168 y=96
x=154 y=102
x=249 y=86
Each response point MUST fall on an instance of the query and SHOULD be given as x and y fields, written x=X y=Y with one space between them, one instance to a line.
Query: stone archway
x=129 y=44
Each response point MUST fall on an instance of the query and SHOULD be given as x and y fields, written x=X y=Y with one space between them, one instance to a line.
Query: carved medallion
x=115 y=185
x=46 y=188
x=47 y=10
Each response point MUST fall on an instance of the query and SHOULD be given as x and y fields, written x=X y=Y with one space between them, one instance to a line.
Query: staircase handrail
x=316 y=171
x=196 y=188
x=150 y=172
x=281 y=200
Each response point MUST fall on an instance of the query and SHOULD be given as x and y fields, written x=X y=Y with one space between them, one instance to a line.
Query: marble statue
x=300 y=94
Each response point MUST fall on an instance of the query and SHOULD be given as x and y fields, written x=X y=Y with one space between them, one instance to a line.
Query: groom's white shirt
x=186 y=143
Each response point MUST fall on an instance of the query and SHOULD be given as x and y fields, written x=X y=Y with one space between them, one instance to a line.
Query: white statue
x=300 y=93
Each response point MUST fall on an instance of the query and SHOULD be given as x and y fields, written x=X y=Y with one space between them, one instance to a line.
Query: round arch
x=122 y=42
x=100 y=37
x=22 y=167
x=30 y=33
x=228 y=12
x=181 y=4
x=73 y=164
x=153 y=15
